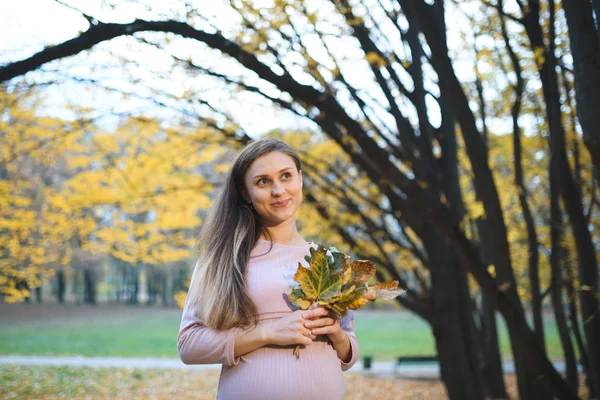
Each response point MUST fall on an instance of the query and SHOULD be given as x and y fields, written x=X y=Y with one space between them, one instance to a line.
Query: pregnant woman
x=236 y=313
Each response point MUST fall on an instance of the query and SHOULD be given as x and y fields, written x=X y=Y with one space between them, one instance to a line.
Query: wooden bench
x=413 y=360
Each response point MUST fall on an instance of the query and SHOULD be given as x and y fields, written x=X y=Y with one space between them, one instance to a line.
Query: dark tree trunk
x=60 y=286
x=585 y=49
x=123 y=282
x=533 y=255
x=150 y=285
x=574 y=322
x=89 y=286
x=555 y=261
x=134 y=284
x=484 y=352
x=484 y=184
x=38 y=295
x=487 y=372
x=24 y=285
x=586 y=254
x=556 y=295
x=164 y=281
x=451 y=336
x=493 y=362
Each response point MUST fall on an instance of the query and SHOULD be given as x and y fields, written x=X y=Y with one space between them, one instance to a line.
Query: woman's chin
x=278 y=218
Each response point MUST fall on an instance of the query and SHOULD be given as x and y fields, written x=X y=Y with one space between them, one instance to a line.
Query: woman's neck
x=283 y=235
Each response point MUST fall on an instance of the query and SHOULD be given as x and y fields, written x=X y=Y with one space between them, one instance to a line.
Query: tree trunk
x=89 y=286
x=533 y=255
x=150 y=283
x=484 y=353
x=488 y=372
x=432 y=27
x=134 y=284
x=585 y=50
x=586 y=254
x=451 y=338
x=61 y=287
x=555 y=261
x=124 y=282
x=574 y=321
x=493 y=361
x=164 y=281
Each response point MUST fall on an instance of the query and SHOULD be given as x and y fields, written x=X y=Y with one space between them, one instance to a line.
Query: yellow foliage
x=375 y=59
x=476 y=210
x=539 y=56
x=134 y=193
x=180 y=298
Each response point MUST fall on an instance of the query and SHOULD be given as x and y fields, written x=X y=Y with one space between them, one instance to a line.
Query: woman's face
x=274 y=187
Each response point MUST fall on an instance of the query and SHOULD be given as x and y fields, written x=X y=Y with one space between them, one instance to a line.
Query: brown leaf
x=362 y=270
x=384 y=291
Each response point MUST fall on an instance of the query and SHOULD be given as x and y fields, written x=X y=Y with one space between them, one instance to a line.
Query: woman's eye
x=262 y=181
x=287 y=175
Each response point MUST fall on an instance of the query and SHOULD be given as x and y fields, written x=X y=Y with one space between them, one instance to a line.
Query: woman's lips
x=281 y=203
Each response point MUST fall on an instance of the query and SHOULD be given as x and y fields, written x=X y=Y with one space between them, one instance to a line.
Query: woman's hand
x=289 y=330
x=321 y=324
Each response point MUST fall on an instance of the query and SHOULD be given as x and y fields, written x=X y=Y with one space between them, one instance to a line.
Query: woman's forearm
x=249 y=340
x=343 y=348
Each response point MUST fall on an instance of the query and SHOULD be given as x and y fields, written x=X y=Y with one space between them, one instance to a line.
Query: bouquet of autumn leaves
x=337 y=284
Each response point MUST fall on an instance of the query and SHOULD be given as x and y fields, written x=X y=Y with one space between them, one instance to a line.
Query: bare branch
x=91 y=20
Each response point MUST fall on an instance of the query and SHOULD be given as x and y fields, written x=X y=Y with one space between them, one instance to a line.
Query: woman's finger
x=319 y=322
x=317 y=312
x=325 y=330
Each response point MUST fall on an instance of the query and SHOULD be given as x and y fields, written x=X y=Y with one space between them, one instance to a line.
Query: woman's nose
x=277 y=189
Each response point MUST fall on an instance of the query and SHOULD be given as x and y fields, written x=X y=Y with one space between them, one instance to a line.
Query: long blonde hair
x=218 y=291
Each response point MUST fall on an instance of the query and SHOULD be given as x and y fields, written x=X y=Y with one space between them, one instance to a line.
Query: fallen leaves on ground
x=45 y=382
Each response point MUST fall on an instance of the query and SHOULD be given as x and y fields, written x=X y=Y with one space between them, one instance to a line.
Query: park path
x=377 y=368
x=380 y=369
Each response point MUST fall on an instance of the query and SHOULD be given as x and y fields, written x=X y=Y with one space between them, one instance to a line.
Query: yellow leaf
x=539 y=55
x=317 y=283
x=358 y=303
x=477 y=210
x=375 y=59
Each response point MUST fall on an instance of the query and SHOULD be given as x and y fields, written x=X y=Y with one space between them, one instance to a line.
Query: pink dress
x=271 y=372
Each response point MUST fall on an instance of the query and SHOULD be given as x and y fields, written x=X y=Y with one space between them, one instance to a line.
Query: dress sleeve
x=347 y=325
x=197 y=344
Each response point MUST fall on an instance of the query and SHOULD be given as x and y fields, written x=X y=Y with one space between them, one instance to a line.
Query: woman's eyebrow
x=260 y=176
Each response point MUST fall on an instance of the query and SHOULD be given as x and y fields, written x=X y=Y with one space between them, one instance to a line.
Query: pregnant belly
x=272 y=372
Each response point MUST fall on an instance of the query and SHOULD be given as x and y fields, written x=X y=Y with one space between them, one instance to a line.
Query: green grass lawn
x=121 y=331
x=386 y=335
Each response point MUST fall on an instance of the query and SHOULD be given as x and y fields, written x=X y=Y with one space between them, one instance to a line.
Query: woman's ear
x=301 y=179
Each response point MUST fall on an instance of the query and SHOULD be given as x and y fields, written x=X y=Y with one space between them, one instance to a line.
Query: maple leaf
x=318 y=282
x=337 y=284
x=362 y=270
